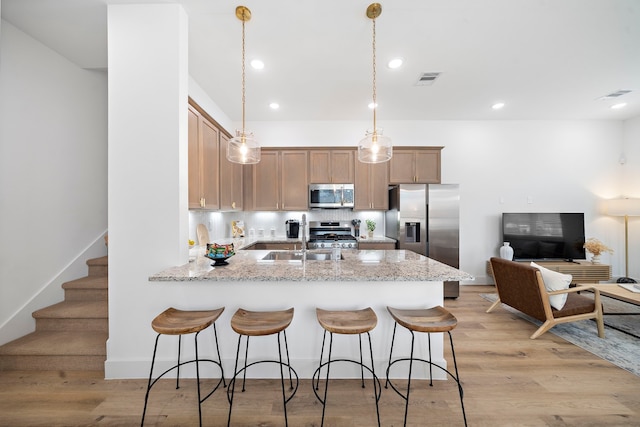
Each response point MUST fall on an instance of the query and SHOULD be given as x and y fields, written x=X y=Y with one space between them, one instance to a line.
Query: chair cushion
x=554 y=281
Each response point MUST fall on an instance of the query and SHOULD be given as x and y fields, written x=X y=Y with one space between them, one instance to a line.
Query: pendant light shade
x=243 y=148
x=375 y=147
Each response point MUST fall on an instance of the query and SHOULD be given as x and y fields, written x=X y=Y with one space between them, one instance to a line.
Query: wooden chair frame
x=531 y=277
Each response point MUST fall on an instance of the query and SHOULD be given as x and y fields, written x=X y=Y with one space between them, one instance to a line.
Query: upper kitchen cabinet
x=331 y=166
x=415 y=165
x=278 y=182
x=203 y=162
x=230 y=180
x=371 y=186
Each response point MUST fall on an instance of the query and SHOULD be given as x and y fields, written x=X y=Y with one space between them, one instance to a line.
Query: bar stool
x=346 y=322
x=429 y=320
x=180 y=322
x=261 y=323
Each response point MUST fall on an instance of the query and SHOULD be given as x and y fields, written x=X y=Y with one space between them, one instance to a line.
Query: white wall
x=53 y=175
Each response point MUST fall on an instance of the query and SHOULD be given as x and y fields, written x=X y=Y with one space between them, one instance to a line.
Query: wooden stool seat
x=259 y=323
x=431 y=320
x=347 y=321
x=181 y=322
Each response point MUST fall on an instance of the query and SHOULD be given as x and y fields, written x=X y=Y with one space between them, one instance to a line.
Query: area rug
x=621 y=349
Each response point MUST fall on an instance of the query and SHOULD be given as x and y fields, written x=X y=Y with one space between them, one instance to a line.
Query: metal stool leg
x=284 y=396
x=215 y=334
x=232 y=384
x=455 y=365
x=406 y=405
x=198 y=379
x=361 y=361
x=246 y=356
x=393 y=339
x=326 y=386
x=146 y=397
x=178 y=370
x=430 y=361
x=373 y=378
x=324 y=336
x=286 y=347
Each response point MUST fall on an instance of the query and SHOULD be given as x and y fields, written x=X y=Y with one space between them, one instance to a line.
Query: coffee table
x=616 y=291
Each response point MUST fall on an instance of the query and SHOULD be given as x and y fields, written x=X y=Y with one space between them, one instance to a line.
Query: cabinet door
x=295 y=190
x=401 y=170
x=210 y=164
x=319 y=167
x=427 y=166
x=195 y=195
x=379 y=178
x=342 y=167
x=230 y=180
x=266 y=195
x=362 y=185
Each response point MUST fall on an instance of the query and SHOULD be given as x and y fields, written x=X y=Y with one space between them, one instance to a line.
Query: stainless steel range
x=322 y=234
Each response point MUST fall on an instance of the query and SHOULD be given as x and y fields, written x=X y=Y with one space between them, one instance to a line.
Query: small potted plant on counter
x=371 y=226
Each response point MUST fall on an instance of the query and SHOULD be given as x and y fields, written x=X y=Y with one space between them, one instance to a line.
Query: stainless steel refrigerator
x=425 y=218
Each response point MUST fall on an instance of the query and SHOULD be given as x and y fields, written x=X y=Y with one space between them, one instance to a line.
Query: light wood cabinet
x=388 y=246
x=230 y=180
x=331 y=166
x=415 y=165
x=279 y=181
x=371 y=186
x=203 y=161
x=294 y=189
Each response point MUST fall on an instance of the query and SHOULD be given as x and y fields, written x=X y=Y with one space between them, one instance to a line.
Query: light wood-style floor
x=508 y=379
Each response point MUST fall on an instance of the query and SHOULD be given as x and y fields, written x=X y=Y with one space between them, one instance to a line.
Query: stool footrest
x=407 y=359
x=315 y=382
x=289 y=367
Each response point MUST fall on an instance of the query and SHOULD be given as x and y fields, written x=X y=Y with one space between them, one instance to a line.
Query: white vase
x=595 y=259
x=370 y=233
x=506 y=251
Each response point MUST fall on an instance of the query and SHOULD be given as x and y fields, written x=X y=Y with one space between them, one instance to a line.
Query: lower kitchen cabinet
x=387 y=246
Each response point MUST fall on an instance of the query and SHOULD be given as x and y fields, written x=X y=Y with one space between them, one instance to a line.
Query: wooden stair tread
x=54 y=343
x=104 y=260
x=74 y=310
x=88 y=282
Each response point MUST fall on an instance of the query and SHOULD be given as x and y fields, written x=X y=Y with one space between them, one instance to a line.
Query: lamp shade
x=243 y=149
x=375 y=148
x=623 y=207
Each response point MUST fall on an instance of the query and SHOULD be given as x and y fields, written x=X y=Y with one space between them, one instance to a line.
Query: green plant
x=371 y=224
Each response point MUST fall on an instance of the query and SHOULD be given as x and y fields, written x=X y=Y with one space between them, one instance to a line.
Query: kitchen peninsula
x=362 y=278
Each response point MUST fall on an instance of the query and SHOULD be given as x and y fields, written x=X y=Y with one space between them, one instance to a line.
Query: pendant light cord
x=375 y=105
x=243 y=74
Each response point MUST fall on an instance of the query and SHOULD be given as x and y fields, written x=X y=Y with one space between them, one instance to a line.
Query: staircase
x=70 y=335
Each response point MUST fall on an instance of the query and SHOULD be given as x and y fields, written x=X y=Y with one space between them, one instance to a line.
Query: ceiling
x=545 y=59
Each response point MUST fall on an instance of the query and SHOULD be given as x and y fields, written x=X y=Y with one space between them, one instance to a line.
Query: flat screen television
x=544 y=236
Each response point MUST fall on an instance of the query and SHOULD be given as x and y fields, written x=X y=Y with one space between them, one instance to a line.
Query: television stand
x=581 y=271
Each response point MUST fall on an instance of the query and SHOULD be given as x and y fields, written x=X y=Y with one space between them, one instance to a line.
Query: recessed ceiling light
x=257 y=64
x=498 y=105
x=618 y=106
x=395 y=63
x=274 y=105
x=372 y=105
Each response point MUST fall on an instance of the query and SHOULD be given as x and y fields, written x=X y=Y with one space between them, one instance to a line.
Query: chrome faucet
x=303 y=225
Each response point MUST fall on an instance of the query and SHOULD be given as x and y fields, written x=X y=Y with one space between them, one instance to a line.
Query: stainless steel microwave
x=331 y=196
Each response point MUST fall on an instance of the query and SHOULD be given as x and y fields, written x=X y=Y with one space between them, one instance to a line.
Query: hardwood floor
x=508 y=379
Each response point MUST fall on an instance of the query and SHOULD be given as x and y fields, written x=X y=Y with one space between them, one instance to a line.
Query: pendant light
x=375 y=147
x=243 y=148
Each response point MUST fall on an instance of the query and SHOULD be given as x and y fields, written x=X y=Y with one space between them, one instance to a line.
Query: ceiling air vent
x=427 y=79
x=616 y=94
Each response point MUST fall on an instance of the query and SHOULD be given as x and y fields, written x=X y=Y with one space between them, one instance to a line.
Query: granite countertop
x=356 y=265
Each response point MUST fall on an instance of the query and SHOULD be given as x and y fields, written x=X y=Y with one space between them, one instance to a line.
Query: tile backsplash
x=219 y=223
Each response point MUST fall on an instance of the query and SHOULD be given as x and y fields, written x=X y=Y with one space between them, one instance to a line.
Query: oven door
x=331 y=196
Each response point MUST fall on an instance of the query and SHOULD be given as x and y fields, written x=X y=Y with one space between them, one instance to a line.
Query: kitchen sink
x=298 y=256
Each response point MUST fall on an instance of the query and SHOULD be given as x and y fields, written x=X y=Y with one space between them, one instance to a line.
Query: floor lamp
x=626 y=208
